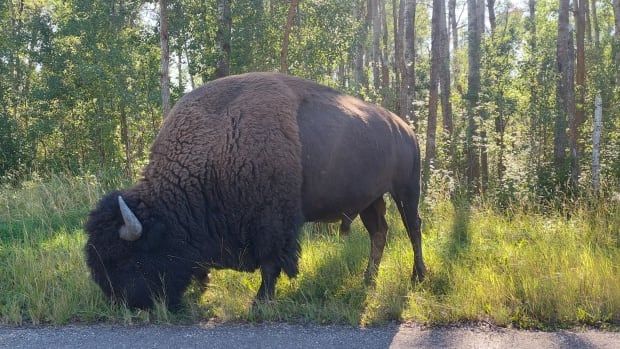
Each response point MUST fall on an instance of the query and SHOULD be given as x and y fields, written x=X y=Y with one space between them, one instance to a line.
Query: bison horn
x=132 y=229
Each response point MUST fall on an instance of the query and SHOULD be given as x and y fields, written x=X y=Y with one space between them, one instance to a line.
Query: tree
x=385 y=68
x=444 y=71
x=373 y=8
x=491 y=10
x=407 y=89
x=362 y=16
x=565 y=89
x=224 y=27
x=287 y=32
x=616 y=6
x=474 y=35
x=165 y=57
x=397 y=24
x=436 y=62
x=596 y=143
x=580 y=84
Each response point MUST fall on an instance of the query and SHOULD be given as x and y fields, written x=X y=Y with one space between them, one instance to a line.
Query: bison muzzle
x=237 y=167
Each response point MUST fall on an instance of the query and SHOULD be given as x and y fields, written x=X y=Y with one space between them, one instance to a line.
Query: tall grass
x=515 y=267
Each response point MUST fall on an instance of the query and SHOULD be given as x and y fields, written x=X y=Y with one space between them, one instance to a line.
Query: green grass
x=520 y=268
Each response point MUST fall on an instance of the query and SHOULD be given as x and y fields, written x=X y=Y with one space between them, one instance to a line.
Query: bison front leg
x=269 y=274
x=202 y=277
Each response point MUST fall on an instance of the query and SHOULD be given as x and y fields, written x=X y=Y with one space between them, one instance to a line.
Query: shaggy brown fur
x=237 y=167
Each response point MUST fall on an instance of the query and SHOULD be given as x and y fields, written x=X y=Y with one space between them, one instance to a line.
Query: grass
x=513 y=268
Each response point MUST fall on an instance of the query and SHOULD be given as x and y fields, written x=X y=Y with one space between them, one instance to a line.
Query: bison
x=237 y=167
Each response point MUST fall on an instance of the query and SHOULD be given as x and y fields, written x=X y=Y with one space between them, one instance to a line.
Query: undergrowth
x=512 y=267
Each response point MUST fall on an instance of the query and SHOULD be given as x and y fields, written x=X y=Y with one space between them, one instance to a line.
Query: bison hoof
x=370 y=279
x=418 y=275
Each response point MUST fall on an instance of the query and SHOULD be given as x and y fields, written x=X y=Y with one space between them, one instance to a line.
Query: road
x=297 y=336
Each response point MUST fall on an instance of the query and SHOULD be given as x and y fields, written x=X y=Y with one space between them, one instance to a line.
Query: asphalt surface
x=297 y=336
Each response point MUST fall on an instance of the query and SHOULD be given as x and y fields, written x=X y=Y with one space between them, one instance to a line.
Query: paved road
x=297 y=336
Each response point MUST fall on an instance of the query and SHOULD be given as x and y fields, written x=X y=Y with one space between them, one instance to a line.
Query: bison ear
x=154 y=237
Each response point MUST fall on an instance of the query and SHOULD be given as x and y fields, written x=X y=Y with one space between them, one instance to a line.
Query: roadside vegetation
x=523 y=266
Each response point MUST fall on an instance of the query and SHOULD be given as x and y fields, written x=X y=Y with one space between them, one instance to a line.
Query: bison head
x=132 y=253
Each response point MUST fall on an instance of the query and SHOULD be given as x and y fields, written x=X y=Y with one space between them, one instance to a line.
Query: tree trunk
x=165 y=58
x=190 y=71
x=444 y=69
x=376 y=44
x=588 y=20
x=436 y=62
x=125 y=140
x=222 y=38
x=400 y=61
x=453 y=24
x=292 y=9
x=385 y=69
x=617 y=39
x=565 y=89
x=484 y=155
x=596 y=143
x=397 y=49
x=455 y=43
x=491 y=9
x=580 y=87
x=180 y=69
x=597 y=30
x=408 y=73
x=473 y=88
x=360 y=73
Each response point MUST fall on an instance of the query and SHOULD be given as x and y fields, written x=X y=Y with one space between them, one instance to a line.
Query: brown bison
x=238 y=166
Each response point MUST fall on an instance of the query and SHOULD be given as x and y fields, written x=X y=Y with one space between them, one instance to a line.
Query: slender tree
x=596 y=142
x=292 y=9
x=407 y=92
x=482 y=112
x=385 y=69
x=397 y=47
x=474 y=36
x=376 y=43
x=431 y=128
x=165 y=57
x=444 y=70
x=224 y=27
x=577 y=120
x=455 y=43
x=616 y=6
x=491 y=10
x=362 y=15
x=565 y=88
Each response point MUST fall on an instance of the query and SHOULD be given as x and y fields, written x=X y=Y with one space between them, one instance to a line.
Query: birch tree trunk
x=580 y=92
x=376 y=43
x=596 y=143
x=385 y=69
x=222 y=38
x=565 y=88
x=408 y=74
x=361 y=79
x=474 y=36
x=433 y=93
x=165 y=58
x=444 y=70
x=616 y=6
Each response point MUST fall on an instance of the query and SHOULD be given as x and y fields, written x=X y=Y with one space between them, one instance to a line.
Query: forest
x=517 y=100
x=516 y=105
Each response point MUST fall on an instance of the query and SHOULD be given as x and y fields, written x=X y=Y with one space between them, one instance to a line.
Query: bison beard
x=238 y=166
